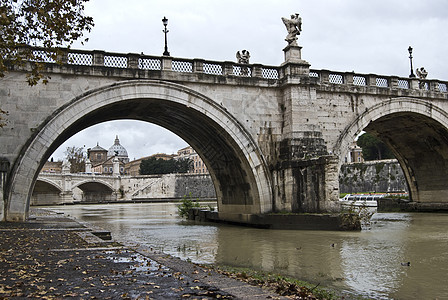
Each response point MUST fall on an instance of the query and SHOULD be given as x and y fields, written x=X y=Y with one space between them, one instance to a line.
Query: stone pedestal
x=116 y=167
x=294 y=65
x=66 y=166
x=88 y=166
x=293 y=54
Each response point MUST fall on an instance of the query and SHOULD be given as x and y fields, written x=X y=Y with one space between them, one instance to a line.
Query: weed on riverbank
x=281 y=285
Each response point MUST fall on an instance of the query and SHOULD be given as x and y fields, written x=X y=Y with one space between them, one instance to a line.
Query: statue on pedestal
x=243 y=57
x=421 y=73
x=294 y=27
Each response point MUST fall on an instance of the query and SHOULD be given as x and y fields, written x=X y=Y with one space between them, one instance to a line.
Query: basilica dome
x=118 y=150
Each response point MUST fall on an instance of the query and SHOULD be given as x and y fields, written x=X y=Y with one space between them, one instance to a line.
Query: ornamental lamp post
x=165 y=23
x=410 y=58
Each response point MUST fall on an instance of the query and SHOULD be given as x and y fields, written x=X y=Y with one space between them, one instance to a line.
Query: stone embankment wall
x=170 y=186
x=372 y=176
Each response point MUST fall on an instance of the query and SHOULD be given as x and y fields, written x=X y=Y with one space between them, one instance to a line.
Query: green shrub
x=187 y=204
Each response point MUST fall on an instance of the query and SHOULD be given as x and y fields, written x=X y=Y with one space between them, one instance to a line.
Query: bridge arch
x=235 y=163
x=96 y=191
x=46 y=189
x=96 y=181
x=417 y=132
x=51 y=183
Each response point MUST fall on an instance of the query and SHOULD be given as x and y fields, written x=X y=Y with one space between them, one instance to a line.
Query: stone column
x=167 y=62
x=198 y=65
x=256 y=71
x=414 y=84
x=394 y=82
x=66 y=195
x=116 y=167
x=434 y=85
x=371 y=80
x=88 y=166
x=228 y=68
x=98 y=58
x=348 y=78
x=133 y=60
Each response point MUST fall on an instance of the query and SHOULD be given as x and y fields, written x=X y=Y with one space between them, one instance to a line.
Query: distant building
x=102 y=159
x=354 y=154
x=52 y=167
x=199 y=166
x=119 y=151
x=97 y=155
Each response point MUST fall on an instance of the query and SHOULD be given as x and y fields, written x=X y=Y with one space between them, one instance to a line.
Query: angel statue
x=294 y=27
x=421 y=73
x=243 y=57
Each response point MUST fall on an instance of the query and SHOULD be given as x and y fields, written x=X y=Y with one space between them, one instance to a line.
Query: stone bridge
x=272 y=137
x=68 y=188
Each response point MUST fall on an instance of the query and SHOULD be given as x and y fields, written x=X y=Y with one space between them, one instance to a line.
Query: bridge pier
x=305 y=175
x=66 y=197
x=307 y=186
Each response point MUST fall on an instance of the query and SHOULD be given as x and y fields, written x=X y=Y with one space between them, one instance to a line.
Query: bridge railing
x=373 y=80
x=157 y=63
x=79 y=175
x=181 y=65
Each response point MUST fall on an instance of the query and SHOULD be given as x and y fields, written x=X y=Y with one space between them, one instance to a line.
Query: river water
x=367 y=263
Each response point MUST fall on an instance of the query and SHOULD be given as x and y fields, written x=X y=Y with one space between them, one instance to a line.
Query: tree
x=77 y=158
x=51 y=24
x=183 y=165
x=154 y=165
x=373 y=148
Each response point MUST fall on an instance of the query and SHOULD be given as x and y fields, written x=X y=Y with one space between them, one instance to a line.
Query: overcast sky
x=340 y=35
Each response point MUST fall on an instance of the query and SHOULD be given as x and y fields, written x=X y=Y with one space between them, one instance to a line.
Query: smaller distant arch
x=46 y=192
x=96 y=181
x=50 y=182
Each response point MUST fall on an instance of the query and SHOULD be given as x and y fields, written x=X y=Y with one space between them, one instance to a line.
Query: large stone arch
x=417 y=132
x=233 y=158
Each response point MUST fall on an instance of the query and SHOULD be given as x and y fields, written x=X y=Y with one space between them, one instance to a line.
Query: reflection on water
x=367 y=262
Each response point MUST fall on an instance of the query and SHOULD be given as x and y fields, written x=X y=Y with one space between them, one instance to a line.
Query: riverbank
x=371 y=263
x=53 y=256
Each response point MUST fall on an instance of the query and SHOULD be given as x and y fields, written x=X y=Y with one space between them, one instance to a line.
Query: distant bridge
x=68 y=188
x=272 y=137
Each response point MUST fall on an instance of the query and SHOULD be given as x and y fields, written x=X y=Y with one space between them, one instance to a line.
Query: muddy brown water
x=372 y=263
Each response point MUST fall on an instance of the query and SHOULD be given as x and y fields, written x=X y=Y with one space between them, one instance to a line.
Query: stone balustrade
x=366 y=80
x=227 y=68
